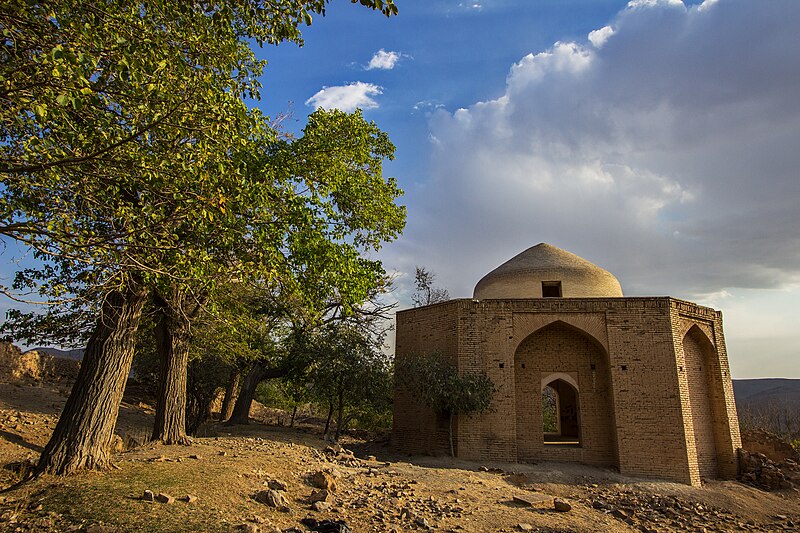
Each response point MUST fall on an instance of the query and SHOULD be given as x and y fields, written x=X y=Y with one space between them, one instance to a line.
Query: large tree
x=434 y=381
x=348 y=371
x=130 y=163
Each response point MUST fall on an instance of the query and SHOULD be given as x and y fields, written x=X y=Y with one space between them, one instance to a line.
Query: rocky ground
x=269 y=478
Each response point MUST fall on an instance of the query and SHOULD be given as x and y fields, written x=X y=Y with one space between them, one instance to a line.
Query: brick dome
x=547 y=271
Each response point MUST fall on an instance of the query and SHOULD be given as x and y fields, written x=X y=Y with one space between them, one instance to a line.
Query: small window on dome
x=551 y=289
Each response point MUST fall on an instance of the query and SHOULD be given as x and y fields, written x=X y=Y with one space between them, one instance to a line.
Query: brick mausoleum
x=638 y=384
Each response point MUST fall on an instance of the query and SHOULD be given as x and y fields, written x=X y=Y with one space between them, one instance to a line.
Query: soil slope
x=376 y=490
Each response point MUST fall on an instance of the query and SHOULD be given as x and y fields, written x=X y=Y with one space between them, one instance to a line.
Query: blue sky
x=658 y=139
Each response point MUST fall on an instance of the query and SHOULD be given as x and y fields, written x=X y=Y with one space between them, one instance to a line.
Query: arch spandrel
x=590 y=324
x=703 y=329
x=563 y=376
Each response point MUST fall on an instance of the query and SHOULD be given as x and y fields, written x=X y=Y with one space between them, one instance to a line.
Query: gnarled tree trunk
x=339 y=415
x=84 y=430
x=172 y=339
x=231 y=393
x=259 y=372
x=328 y=420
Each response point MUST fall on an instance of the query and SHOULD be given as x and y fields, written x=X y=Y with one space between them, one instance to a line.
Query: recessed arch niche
x=572 y=361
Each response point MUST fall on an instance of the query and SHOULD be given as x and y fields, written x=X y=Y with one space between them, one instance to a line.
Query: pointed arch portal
x=561 y=412
x=563 y=397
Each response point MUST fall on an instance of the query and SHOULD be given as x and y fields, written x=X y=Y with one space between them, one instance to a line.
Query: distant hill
x=75 y=355
x=760 y=392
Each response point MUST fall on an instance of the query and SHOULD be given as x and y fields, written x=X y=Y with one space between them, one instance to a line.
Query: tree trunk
x=452 y=448
x=328 y=420
x=259 y=372
x=199 y=415
x=294 y=414
x=339 y=415
x=231 y=392
x=84 y=429
x=172 y=339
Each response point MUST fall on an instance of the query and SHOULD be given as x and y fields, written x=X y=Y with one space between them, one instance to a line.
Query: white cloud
x=383 y=60
x=664 y=151
x=599 y=37
x=477 y=6
x=346 y=97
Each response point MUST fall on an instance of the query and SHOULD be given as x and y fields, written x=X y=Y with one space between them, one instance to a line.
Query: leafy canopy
x=436 y=383
x=127 y=153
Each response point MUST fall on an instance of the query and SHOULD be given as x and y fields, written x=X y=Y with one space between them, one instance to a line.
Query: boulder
x=323 y=480
x=273 y=498
x=561 y=506
x=164 y=498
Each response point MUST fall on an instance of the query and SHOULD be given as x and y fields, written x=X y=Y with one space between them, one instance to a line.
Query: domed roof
x=544 y=270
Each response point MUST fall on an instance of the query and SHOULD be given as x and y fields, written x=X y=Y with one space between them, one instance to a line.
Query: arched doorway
x=698 y=355
x=560 y=413
x=568 y=361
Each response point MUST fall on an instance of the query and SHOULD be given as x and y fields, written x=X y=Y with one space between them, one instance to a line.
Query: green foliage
x=435 y=382
x=348 y=370
x=129 y=155
x=549 y=410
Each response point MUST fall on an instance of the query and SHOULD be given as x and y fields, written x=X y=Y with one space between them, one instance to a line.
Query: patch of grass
x=114 y=497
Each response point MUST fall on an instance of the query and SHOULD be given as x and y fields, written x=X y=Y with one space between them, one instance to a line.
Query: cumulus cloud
x=599 y=37
x=383 y=60
x=664 y=149
x=346 y=97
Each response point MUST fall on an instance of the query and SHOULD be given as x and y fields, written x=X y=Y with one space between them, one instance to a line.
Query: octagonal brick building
x=583 y=373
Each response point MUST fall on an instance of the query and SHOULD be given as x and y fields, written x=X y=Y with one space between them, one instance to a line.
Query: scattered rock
x=321 y=495
x=535 y=500
x=164 y=498
x=323 y=480
x=773 y=446
x=326 y=526
x=421 y=522
x=275 y=484
x=758 y=470
x=273 y=498
x=148 y=496
x=561 y=505
x=189 y=498
x=371 y=458
x=247 y=528
x=320 y=506
x=524 y=527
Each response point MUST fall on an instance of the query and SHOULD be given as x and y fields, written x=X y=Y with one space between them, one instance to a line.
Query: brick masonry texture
x=654 y=390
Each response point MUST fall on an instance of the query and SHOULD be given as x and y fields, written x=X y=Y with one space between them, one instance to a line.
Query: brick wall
x=417 y=429
x=558 y=348
x=698 y=328
x=635 y=404
x=696 y=354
